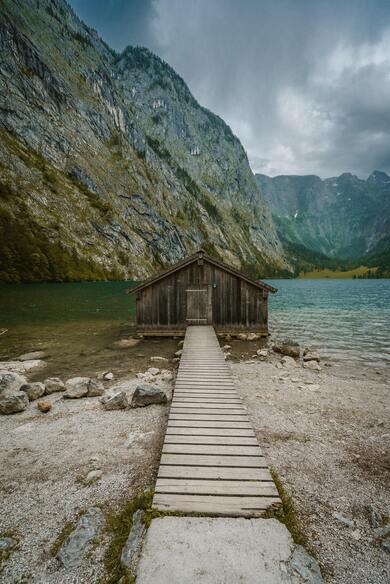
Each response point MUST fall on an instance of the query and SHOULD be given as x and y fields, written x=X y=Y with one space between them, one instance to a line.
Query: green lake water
x=349 y=320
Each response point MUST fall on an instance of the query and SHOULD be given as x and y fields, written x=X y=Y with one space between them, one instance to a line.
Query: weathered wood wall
x=236 y=304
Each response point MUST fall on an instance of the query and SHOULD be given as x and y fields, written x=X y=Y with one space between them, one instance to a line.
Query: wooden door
x=198 y=306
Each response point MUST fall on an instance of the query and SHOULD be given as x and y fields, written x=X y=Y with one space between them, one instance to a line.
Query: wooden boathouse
x=201 y=290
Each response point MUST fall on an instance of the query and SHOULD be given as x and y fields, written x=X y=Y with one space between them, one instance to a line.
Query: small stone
x=33 y=390
x=164 y=359
x=140 y=375
x=374 y=517
x=382 y=532
x=132 y=548
x=95 y=388
x=32 y=356
x=176 y=359
x=44 y=406
x=250 y=362
x=13 y=402
x=356 y=534
x=115 y=401
x=279 y=366
x=108 y=376
x=312 y=365
x=294 y=380
x=7 y=543
x=289 y=348
x=146 y=395
x=288 y=362
x=126 y=343
x=76 y=387
x=242 y=337
x=87 y=529
x=226 y=347
x=252 y=337
x=178 y=353
x=167 y=376
x=153 y=371
x=94 y=475
x=342 y=519
x=11 y=381
x=311 y=355
x=227 y=356
x=180 y=343
x=53 y=384
x=262 y=353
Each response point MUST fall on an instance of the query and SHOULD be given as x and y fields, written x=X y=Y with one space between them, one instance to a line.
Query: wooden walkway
x=211 y=462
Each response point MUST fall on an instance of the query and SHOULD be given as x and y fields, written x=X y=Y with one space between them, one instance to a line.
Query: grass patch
x=118 y=525
x=61 y=537
x=287 y=515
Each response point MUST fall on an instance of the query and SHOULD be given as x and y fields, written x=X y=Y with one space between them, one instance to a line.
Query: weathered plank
x=225 y=440
x=214 y=472
x=211 y=450
x=216 y=487
x=214 y=505
x=210 y=460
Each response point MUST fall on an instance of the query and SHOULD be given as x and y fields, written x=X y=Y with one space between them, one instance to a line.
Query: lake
x=349 y=320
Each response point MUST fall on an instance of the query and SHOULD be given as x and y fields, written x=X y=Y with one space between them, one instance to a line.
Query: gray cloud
x=305 y=84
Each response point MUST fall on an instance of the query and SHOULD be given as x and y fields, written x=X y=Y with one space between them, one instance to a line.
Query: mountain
x=109 y=168
x=342 y=217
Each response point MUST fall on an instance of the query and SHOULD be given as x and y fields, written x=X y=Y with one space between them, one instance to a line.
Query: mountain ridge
x=109 y=166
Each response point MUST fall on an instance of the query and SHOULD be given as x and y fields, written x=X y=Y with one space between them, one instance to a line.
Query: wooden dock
x=211 y=462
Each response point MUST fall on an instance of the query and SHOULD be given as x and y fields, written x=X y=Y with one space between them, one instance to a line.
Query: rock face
x=12 y=402
x=115 y=401
x=74 y=547
x=76 y=113
x=33 y=390
x=146 y=395
x=53 y=384
x=11 y=381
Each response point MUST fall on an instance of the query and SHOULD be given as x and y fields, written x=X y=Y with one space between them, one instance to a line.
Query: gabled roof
x=200 y=254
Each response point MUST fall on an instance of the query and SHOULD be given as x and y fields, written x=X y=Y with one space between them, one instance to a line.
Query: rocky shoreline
x=85 y=446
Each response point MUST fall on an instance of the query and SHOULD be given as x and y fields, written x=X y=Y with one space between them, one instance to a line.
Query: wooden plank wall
x=236 y=304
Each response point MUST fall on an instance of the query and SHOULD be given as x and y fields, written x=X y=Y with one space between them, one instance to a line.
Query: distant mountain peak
x=379 y=177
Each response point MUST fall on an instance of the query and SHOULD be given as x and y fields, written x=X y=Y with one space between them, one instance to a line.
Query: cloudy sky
x=305 y=84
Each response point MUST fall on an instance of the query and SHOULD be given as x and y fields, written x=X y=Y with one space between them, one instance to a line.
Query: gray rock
x=252 y=337
x=32 y=356
x=312 y=365
x=374 y=517
x=94 y=475
x=11 y=381
x=310 y=355
x=115 y=401
x=95 y=388
x=7 y=543
x=386 y=545
x=288 y=362
x=382 y=532
x=242 y=337
x=344 y=520
x=146 y=395
x=53 y=384
x=262 y=353
x=289 y=348
x=12 y=402
x=161 y=359
x=132 y=548
x=305 y=566
x=226 y=347
x=178 y=353
x=33 y=390
x=76 y=387
x=74 y=547
x=108 y=376
x=153 y=371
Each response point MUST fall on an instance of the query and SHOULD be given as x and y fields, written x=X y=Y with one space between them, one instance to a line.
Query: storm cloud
x=304 y=84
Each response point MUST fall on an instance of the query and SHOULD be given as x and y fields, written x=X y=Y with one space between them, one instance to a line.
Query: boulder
x=53 y=384
x=33 y=390
x=153 y=371
x=252 y=337
x=32 y=356
x=288 y=362
x=132 y=548
x=11 y=381
x=146 y=395
x=44 y=406
x=115 y=401
x=88 y=527
x=311 y=355
x=76 y=387
x=242 y=337
x=12 y=402
x=289 y=348
x=313 y=365
x=95 y=388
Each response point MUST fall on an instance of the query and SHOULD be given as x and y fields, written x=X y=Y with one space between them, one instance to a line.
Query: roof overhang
x=193 y=258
